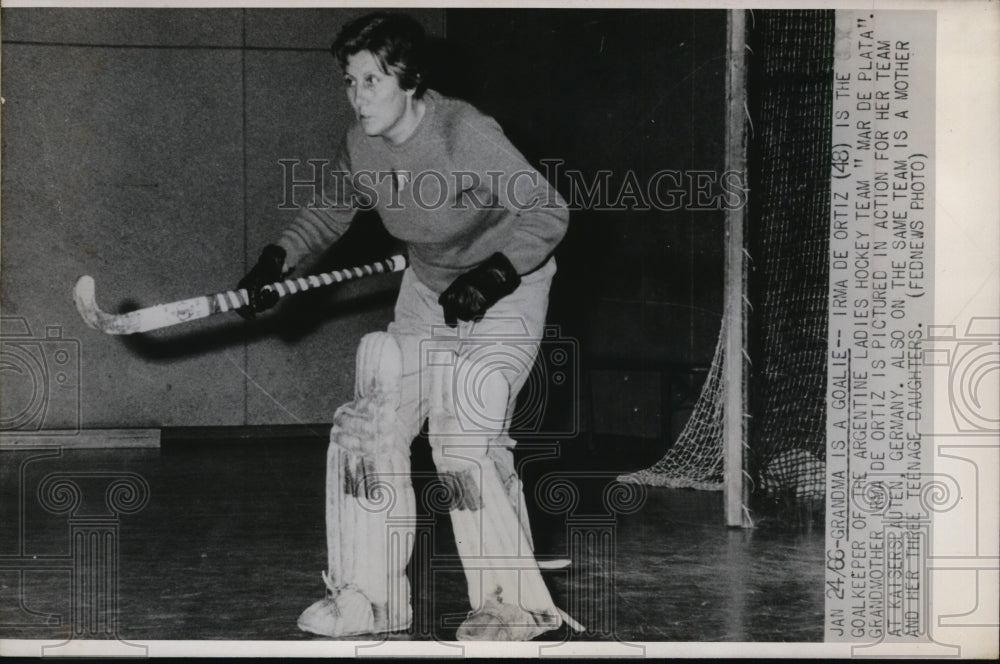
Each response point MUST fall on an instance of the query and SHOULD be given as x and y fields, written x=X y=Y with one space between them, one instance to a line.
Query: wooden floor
x=231 y=543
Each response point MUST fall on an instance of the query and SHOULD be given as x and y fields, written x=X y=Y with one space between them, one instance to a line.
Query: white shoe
x=498 y=621
x=346 y=611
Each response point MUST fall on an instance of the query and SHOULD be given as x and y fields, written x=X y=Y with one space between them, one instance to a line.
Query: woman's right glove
x=472 y=293
x=269 y=269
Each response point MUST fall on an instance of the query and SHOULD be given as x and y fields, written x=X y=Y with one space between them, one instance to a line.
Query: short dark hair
x=396 y=40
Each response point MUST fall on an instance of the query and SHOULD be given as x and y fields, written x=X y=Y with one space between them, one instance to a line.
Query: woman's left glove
x=267 y=271
x=471 y=294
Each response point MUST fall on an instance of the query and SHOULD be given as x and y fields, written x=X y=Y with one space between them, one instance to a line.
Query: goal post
x=734 y=318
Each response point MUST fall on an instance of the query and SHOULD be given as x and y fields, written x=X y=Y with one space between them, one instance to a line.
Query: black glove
x=471 y=294
x=267 y=270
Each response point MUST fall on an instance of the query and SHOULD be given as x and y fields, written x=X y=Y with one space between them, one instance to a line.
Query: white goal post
x=734 y=319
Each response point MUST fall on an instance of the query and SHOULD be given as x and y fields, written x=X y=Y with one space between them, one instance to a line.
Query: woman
x=480 y=225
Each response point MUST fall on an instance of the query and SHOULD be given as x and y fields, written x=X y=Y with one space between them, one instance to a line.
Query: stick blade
x=84 y=296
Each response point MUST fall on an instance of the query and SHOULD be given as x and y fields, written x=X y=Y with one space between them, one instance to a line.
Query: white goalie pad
x=503 y=458
x=500 y=566
x=370 y=506
x=487 y=508
x=368 y=423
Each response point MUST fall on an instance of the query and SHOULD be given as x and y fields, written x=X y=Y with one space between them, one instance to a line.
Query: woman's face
x=380 y=105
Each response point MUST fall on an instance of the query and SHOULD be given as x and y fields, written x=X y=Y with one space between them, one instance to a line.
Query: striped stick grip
x=235 y=299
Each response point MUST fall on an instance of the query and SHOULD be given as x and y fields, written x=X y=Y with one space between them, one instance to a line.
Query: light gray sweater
x=455 y=192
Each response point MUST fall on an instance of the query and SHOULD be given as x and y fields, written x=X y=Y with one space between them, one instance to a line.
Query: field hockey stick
x=172 y=313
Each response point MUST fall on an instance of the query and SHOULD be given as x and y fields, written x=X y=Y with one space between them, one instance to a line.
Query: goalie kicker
x=370 y=505
x=509 y=599
x=371 y=510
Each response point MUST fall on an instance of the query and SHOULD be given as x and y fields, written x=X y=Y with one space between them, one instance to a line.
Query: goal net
x=786 y=226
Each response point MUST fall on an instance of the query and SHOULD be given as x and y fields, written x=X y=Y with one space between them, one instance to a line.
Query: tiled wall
x=141 y=146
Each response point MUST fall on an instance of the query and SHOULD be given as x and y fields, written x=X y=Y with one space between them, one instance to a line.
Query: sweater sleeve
x=320 y=224
x=542 y=215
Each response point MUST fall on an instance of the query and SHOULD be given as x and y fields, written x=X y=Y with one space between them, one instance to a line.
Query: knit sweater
x=456 y=191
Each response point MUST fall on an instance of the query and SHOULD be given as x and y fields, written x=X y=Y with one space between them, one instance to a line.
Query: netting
x=695 y=459
x=789 y=88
